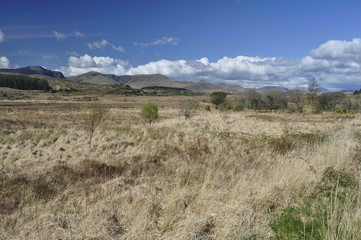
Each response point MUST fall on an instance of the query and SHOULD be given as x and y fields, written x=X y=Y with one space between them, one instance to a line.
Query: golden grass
x=214 y=176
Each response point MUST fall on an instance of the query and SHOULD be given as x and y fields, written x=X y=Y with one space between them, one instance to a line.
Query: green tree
x=217 y=98
x=150 y=112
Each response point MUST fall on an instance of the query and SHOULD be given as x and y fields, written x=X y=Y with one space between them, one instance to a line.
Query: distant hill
x=99 y=78
x=203 y=86
x=135 y=81
x=151 y=80
x=268 y=88
x=34 y=70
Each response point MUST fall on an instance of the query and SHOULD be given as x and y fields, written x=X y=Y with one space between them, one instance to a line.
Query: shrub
x=217 y=98
x=92 y=117
x=329 y=101
x=188 y=108
x=150 y=112
x=238 y=107
x=297 y=98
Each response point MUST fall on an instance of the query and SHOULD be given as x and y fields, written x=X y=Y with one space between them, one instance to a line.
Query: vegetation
x=166 y=91
x=188 y=108
x=221 y=175
x=218 y=98
x=149 y=112
x=23 y=82
x=92 y=117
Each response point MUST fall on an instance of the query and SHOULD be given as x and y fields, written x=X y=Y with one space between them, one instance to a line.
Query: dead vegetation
x=246 y=175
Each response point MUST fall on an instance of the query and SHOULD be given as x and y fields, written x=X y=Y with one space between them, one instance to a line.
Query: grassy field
x=219 y=175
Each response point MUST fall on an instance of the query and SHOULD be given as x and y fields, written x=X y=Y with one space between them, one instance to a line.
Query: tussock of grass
x=322 y=215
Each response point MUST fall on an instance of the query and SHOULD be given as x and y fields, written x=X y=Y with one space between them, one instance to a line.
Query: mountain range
x=135 y=81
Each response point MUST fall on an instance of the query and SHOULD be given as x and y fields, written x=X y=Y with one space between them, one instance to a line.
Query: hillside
x=207 y=87
x=135 y=81
x=151 y=80
x=34 y=70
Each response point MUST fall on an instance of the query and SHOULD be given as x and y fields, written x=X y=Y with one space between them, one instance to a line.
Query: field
x=218 y=175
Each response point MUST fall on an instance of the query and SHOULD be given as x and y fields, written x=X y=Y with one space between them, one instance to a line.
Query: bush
x=238 y=107
x=217 y=98
x=188 y=108
x=93 y=116
x=329 y=101
x=150 y=113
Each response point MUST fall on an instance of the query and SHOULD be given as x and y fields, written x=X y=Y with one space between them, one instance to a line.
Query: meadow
x=218 y=175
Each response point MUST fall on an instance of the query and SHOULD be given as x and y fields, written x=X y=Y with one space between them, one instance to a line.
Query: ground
x=217 y=175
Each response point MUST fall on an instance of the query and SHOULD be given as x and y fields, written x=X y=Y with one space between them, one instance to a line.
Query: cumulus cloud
x=59 y=36
x=162 y=41
x=4 y=62
x=336 y=64
x=103 y=43
x=2 y=36
x=79 y=34
x=87 y=63
x=339 y=50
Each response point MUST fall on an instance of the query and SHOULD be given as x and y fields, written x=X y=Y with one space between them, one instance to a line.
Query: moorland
x=237 y=170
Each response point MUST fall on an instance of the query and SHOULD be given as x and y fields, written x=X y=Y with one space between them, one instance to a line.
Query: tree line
x=23 y=82
x=292 y=101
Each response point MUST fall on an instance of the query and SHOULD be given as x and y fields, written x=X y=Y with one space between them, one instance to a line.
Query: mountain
x=99 y=78
x=135 y=81
x=34 y=70
x=207 y=87
x=271 y=88
x=154 y=80
x=148 y=80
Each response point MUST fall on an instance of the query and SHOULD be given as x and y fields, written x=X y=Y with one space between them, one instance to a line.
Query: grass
x=34 y=136
x=235 y=175
x=326 y=214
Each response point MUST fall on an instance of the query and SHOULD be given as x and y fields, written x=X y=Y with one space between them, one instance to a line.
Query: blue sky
x=248 y=42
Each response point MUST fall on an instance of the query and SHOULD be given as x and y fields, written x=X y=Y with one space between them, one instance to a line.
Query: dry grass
x=214 y=176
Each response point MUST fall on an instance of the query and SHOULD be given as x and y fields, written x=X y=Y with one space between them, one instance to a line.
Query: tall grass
x=208 y=177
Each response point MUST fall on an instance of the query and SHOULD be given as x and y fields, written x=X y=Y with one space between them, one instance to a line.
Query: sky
x=253 y=43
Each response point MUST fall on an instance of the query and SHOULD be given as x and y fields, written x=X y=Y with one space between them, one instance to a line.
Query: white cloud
x=339 y=50
x=79 y=34
x=98 y=45
x=59 y=36
x=48 y=57
x=336 y=64
x=4 y=62
x=86 y=63
x=73 y=53
x=103 y=43
x=162 y=41
x=118 y=48
x=2 y=36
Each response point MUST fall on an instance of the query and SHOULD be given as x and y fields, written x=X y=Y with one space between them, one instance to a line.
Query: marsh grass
x=208 y=177
x=34 y=136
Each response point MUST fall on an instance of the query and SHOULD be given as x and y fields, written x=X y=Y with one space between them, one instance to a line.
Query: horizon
x=248 y=43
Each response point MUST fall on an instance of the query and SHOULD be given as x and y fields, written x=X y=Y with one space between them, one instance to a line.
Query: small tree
x=217 y=98
x=329 y=101
x=313 y=88
x=188 y=108
x=92 y=117
x=296 y=96
x=150 y=112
